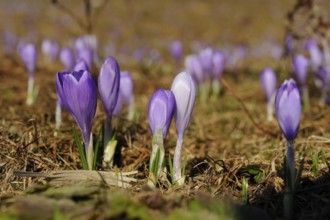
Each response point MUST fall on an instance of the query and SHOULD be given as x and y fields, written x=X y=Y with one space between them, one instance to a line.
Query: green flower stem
x=177 y=167
x=131 y=109
x=58 y=116
x=270 y=110
x=289 y=182
x=89 y=148
x=109 y=145
x=30 y=95
x=216 y=87
x=305 y=95
x=156 y=161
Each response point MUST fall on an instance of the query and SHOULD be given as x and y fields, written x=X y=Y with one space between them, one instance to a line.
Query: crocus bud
x=160 y=111
x=126 y=86
x=176 y=50
x=29 y=55
x=67 y=58
x=108 y=83
x=205 y=57
x=315 y=53
x=126 y=92
x=268 y=82
x=288 y=109
x=194 y=67
x=86 y=54
x=119 y=105
x=77 y=93
x=289 y=44
x=300 y=66
x=46 y=47
x=80 y=65
x=184 y=90
x=218 y=61
x=50 y=49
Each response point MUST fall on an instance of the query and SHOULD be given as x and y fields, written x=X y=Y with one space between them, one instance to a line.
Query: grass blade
x=170 y=164
x=81 y=149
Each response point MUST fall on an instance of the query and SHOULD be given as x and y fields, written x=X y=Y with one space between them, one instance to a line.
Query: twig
x=70 y=13
x=257 y=125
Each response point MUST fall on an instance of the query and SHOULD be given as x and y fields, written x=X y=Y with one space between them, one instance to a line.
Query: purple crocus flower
x=218 y=61
x=119 y=105
x=80 y=65
x=206 y=56
x=194 y=67
x=126 y=92
x=268 y=82
x=29 y=55
x=67 y=58
x=160 y=111
x=184 y=90
x=176 y=50
x=300 y=66
x=315 y=53
x=288 y=109
x=86 y=54
x=323 y=78
x=108 y=82
x=10 y=42
x=78 y=94
x=288 y=112
x=50 y=49
x=289 y=44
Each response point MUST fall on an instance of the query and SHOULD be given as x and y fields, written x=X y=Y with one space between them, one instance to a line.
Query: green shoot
x=315 y=163
x=245 y=190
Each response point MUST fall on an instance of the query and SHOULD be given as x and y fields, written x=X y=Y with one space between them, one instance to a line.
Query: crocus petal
x=288 y=109
x=218 y=62
x=268 y=82
x=160 y=110
x=28 y=53
x=108 y=83
x=184 y=90
x=126 y=86
x=77 y=92
x=300 y=66
x=80 y=65
x=67 y=58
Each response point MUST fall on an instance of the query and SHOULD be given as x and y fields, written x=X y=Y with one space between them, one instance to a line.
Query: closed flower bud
x=160 y=111
x=300 y=66
x=67 y=58
x=29 y=55
x=268 y=82
x=288 y=109
x=108 y=83
x=77 y=93
x=184 y=90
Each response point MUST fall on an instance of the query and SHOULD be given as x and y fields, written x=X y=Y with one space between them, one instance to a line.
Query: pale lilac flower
x=288 y=109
